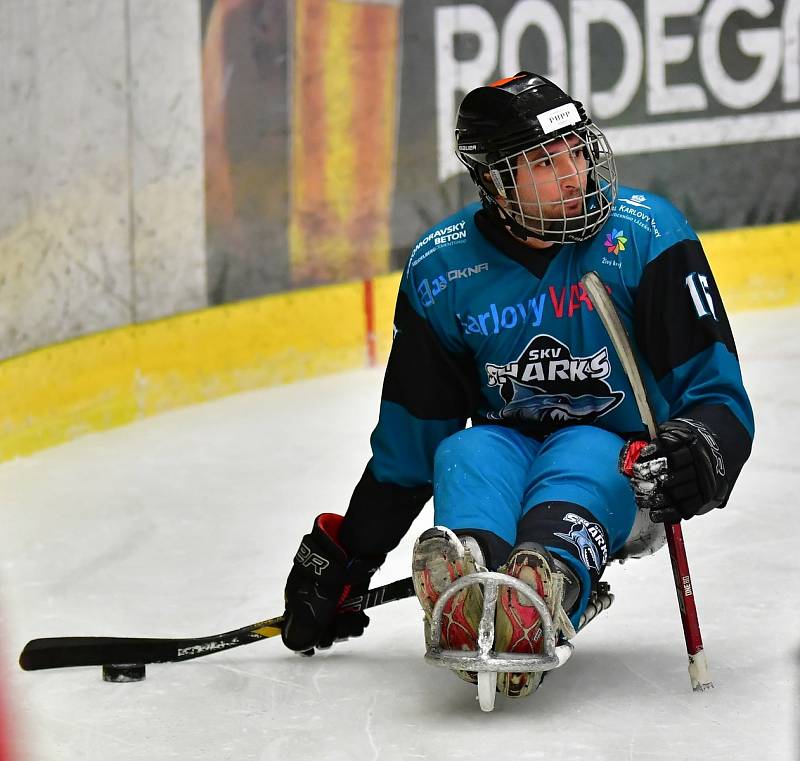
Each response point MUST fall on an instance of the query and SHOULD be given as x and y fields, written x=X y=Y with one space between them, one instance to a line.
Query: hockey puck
x=123 y=672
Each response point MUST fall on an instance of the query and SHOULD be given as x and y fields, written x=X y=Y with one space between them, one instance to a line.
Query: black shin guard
x=495 y=550
x=573 y=529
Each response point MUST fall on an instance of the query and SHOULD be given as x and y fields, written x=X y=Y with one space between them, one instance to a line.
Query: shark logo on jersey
x=546 y=385
x=588 y=537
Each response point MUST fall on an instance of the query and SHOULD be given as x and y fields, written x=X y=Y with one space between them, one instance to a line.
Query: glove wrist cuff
x=628 y=456
x=320 y=558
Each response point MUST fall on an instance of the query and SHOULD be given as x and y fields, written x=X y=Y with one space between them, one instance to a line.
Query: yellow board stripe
x=384 y=291
x=93 y=383
x=756 y=267
x=104 y=380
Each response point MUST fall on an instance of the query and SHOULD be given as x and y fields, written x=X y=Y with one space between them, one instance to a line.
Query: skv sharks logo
x=546 y=385
x=588 y=537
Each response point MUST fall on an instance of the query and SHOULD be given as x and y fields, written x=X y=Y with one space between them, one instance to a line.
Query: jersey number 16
x=701 y=298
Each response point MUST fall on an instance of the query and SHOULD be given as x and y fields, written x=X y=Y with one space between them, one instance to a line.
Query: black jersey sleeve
x=429 y=392
x=683 y=332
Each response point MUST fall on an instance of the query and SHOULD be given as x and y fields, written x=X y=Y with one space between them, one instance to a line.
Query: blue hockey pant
x=567 y=492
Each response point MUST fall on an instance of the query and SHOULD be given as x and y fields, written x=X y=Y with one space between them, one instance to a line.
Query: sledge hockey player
x=492 y=325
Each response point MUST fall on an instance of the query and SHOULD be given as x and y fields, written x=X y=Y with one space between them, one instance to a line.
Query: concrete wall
x=102 y=184
x=101 y=169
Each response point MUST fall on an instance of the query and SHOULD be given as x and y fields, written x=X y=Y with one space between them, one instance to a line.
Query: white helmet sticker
x=561 y=116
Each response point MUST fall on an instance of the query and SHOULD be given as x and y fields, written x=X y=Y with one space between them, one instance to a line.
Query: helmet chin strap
x=501 y=215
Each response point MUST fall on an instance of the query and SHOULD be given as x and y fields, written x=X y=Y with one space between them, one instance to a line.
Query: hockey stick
x=110 y=652
x=699 y=672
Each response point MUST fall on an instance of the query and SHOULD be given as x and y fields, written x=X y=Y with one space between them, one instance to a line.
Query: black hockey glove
x=321 y=578
x=680 y=473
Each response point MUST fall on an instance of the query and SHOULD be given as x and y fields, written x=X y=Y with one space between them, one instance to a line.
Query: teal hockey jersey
x=490 y=330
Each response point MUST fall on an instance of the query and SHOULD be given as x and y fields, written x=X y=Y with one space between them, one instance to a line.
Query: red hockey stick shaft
x=683 y=587
x=699 y=672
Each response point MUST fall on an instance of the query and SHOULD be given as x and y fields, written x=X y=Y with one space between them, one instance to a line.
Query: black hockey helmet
x=499 y=124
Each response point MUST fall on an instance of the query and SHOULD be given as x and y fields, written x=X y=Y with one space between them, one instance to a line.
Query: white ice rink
x=186 y=524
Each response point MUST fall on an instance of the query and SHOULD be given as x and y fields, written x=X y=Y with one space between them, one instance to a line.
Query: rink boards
x=108 y=379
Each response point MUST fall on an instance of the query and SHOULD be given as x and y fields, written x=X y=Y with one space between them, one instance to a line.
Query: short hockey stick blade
x=699 y=672
x=61 y=652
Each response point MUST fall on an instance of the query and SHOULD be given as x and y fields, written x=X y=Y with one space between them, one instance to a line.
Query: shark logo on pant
x=589 y=539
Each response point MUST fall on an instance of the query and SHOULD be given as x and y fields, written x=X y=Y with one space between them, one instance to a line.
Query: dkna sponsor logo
x=428 y=290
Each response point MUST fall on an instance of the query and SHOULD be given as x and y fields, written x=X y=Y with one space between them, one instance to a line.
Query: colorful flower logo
x=615 y=242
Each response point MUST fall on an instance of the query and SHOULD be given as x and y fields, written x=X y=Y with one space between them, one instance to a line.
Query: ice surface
x=185 y=524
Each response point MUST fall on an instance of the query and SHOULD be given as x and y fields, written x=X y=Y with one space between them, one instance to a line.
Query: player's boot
x=518 y=627
x=440 y=558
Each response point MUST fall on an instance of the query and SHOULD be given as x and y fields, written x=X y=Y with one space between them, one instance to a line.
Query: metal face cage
x=561 y=190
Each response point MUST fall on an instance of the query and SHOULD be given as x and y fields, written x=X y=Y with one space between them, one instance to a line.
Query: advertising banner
x=343 y=139
x=300 y=133
x=700 y=100
x=246 y=121
x=329 y=123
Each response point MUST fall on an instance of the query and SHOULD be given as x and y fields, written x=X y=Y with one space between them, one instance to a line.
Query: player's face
x=551 y=179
